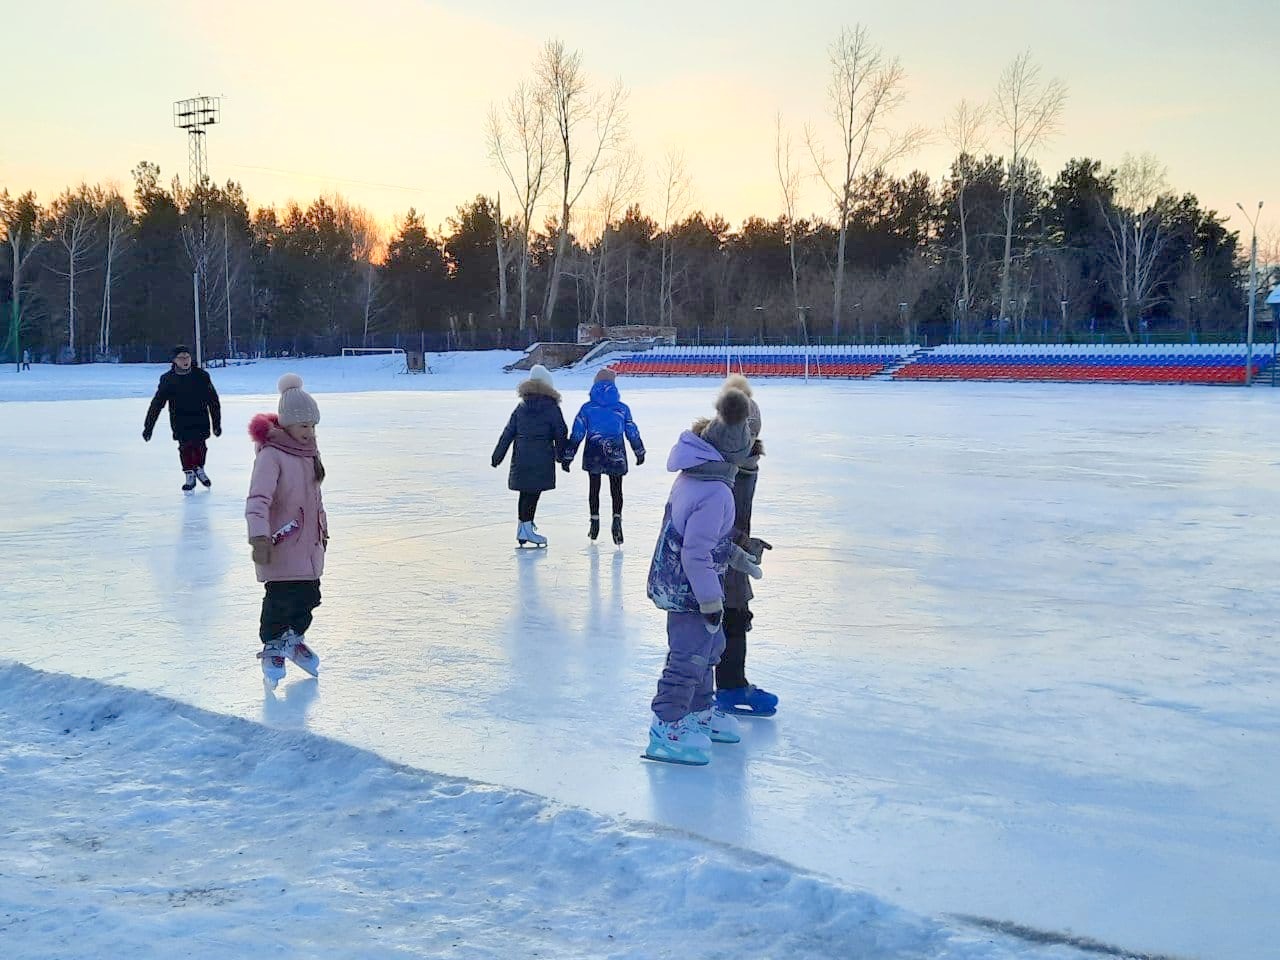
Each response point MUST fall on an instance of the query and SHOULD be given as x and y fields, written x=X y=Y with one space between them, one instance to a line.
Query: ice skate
x=526 y=533
x=748 y=701
x=679 y=742
x=203 y=477
x=594 y=530
x=189 y=481
x=272 y=657
x=718 y=725
x=617 y=529
x=296 y=649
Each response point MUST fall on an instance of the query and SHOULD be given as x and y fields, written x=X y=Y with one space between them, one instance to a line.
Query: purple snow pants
x=687 y=682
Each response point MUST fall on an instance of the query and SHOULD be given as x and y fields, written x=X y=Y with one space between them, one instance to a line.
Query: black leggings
x=593 y=493
x=528 y=505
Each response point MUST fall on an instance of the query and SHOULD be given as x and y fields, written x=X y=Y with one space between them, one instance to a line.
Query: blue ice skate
x=678 y=742
x=748 y=701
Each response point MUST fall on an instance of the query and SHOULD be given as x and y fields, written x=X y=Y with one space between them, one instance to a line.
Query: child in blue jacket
x=604 y=421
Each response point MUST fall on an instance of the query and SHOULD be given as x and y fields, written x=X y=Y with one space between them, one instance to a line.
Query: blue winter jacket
x=604 y=421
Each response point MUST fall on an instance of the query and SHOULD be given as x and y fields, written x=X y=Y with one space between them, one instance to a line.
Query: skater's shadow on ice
x=534 y=636
x=197 y=558
x=287 y=707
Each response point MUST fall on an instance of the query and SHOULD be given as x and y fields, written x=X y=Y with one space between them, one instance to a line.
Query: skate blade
x=311 y=671
x=656 y=758
x=725 y=738
x=748 y=712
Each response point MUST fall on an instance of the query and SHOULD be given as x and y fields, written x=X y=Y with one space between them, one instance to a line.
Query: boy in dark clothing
x=193 y=407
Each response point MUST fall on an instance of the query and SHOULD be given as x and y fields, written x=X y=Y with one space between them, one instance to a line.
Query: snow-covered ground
x=1022 y=635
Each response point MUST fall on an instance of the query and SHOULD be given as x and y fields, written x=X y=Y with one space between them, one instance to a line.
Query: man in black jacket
x=193 y=406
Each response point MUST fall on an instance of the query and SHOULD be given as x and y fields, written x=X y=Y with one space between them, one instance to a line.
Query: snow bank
x=140 y=827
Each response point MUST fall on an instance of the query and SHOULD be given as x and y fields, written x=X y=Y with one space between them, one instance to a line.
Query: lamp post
x=1063 y=304
x=760 y=324
x=1253 y=290
x=1192 y=333
x=902 y=318
x=804 y=329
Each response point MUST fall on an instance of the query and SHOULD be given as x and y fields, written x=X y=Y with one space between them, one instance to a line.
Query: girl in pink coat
x=288 y=529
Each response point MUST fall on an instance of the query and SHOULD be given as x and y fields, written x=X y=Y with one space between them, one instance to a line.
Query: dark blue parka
x=537 y=429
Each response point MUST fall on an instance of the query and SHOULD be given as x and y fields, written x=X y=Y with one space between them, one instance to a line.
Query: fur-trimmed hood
x=261 y=425
x=536 y=388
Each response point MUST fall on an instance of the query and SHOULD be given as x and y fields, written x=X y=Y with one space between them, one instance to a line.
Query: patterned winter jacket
x=604 y=421
x=693 y=548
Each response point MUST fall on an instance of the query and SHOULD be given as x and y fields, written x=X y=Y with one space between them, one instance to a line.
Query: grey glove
x=712 y=615
x=739 y=559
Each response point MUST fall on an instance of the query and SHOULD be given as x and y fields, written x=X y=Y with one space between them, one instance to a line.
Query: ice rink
x=1023 y=635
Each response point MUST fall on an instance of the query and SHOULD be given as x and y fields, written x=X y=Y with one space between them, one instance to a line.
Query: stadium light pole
x=1253 y=290
x=195 y=116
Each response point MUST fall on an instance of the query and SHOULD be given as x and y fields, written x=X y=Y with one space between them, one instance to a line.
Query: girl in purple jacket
x=694 y=550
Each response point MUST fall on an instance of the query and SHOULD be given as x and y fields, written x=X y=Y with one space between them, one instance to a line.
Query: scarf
x=726 y=473
x=279 y=438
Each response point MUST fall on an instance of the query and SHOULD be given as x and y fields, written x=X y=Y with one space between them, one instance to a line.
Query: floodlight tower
x=196 y=116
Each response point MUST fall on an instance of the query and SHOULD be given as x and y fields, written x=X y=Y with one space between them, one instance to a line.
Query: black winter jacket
x=192 y=401
x=538 y=431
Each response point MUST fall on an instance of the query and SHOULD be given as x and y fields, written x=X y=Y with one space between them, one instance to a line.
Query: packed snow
x=1021 y=634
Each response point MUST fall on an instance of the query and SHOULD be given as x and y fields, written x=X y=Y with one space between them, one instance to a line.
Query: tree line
x=995 y=248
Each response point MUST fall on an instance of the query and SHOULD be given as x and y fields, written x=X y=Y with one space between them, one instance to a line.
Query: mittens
x=755 y=546
x=261 y=550
x=712 y=615
x=640 y=459
x=739 y=559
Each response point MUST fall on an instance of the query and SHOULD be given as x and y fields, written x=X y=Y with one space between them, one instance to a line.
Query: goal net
x=396 y=357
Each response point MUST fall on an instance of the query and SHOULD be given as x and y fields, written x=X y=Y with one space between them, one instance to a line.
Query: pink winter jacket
x=284 y=491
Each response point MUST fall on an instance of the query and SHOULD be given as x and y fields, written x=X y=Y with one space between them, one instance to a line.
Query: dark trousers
x=192 y=453
x=593 y=493
x=528 y=505
x=731 y=671
x=287 y=606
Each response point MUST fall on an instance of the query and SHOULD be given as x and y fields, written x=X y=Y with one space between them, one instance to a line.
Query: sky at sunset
x=385 y=101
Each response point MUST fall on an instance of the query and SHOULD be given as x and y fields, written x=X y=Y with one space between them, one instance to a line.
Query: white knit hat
x=296 y=405
x=541 y=374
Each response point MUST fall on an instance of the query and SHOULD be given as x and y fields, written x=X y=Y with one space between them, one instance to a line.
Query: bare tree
x=504 y=252
x=116 y=223
x=966 y=129
x=75 y=225
x=368 y=249
x=521 y=142
x=573 y=106
x=624 y=183
x=866 y=88
x=1028 y=109
x=675 y=200
x=1136 y=224
x=23 y=223
x=789 y=182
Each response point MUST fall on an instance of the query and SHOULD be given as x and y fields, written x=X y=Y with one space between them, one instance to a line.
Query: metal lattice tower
x=196 y=116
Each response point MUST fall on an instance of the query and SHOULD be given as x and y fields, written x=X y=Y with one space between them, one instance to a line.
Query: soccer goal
x=397 y=357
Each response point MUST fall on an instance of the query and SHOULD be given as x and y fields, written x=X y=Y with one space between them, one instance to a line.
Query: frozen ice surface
x=1023 y=634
